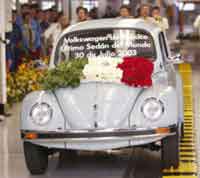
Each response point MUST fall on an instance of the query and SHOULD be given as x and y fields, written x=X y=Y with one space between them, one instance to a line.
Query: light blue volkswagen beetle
x=107 y=115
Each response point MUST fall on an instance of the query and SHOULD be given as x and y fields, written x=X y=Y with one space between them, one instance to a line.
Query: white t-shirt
x=53 y=32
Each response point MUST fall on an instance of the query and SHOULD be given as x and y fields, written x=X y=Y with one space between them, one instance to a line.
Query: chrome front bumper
x=98 y=135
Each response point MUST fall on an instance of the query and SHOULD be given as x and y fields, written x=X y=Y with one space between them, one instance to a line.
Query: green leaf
x=66 y=74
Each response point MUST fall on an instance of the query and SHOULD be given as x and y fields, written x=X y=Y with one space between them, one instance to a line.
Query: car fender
x=168 y=97
x=57 y=122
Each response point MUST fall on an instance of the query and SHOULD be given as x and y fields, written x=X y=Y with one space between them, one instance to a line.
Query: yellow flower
x=22 y=67
x=25 y=80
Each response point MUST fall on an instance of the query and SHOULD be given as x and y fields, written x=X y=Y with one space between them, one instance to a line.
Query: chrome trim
x=152 y=136
x=98 y=130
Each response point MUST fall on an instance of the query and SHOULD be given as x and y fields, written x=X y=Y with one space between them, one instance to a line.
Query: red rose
x=137 y=71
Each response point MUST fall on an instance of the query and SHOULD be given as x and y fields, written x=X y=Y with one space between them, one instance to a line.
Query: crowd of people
x=35 y=31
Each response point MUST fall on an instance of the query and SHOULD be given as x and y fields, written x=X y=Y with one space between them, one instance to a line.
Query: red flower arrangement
x=137 y=71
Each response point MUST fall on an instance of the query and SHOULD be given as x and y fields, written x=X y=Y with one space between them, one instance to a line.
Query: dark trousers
x=2 y=109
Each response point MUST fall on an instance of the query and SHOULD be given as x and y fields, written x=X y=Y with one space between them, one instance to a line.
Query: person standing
x=144 y=12
x=13 y=51
x=54 y=15
x=53 y=32
x=82 y=14
x=31 y=33
x=170 y=10
x=43 y=21
x=110 y=12
x=34 y=9
x=125 y=11
x=93 y=14
x=162 y=22
x=25 y=8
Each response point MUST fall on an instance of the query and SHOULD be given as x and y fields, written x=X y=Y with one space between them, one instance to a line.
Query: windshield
x=105 y=43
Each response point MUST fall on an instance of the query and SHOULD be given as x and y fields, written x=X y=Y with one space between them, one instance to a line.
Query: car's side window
x=163 y=45
x=165 y=55
x=167 y=46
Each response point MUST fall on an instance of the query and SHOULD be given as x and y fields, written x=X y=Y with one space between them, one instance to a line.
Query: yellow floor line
x=188 y=165
x=182 y=159
x=182 y=153
x=189 y=125
x=186 y=148
x=188 y=139
x=188 y=132
x=187 y=144
x=180 y=176
x=188 y=128
x=184 y=167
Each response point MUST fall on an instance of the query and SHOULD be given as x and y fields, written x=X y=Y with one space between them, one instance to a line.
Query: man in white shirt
x=53 y=32
x=162 y=22
x=197 y=24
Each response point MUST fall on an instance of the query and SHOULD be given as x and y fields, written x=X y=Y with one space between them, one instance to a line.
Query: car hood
x=97 y=105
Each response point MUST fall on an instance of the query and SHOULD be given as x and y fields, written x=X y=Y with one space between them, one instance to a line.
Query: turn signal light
x=162 y=130
x=31 y=136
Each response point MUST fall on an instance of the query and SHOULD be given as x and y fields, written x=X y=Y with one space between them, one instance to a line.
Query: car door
x=173 y=75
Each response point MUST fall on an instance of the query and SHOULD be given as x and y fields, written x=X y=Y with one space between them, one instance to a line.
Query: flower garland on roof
x=103 y=69
x=132 y=71
x=66 y=74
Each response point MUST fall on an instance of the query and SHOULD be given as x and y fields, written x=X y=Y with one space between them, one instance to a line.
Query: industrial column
x=5 y=19
x=2 y=59
x=66 y=6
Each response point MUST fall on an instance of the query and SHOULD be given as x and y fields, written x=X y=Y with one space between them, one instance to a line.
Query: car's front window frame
x=56 y=56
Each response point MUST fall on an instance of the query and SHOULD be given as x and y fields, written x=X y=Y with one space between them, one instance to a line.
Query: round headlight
x=41 y=114
x=152 y=109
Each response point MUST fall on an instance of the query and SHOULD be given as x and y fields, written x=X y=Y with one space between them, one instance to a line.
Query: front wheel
x=36 y=158
x=170 y=151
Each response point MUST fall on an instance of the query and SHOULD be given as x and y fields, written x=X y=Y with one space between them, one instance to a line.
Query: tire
x=182 y=130
x=36 y=158
x=170 y=152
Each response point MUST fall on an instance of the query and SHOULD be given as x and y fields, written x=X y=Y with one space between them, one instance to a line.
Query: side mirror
x=176 y=59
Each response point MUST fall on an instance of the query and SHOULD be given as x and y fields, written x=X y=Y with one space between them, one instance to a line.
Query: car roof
x=115 y=23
